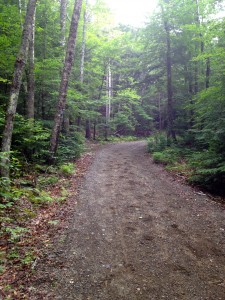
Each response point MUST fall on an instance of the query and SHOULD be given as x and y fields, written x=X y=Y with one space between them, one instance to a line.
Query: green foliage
x=47 y=180
x=67 y=169
x=208 y=171
x=30 y=139
x=40 y=198
x=169 y=156
x=16 y=233
x=158 y=142
x=71 y=146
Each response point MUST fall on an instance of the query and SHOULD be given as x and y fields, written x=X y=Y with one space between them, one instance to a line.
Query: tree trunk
x=160 y=113
x=63 y=9
x=31 y=79
x=69 y=59
x=108 y=99
x=94 y=131
x=83 y=45
x=21 y=17
x=208 y=71
x=88 y=129
x=15 y=87
x=170 y=110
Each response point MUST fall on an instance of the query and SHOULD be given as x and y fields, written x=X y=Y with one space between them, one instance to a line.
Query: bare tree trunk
x=108 y=99
x=160 y=113
x=31 y=79
x=69 y=59
x=15 y=87
x=208 y=71
x=88 y=129
x=63 y=14
x=83 y=45
x=21 y=18
x=170 y=110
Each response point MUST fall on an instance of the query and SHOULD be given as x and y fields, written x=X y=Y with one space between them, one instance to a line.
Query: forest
x=164 y=81
x=69 y=73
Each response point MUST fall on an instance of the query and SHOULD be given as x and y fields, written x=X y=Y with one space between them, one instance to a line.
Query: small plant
x=45 y=181
x=42 y=198
x=16 y=233
x=67 y=169
x=158 y=143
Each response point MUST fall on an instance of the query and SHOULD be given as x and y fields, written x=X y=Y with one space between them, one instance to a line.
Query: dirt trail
x=138 y=234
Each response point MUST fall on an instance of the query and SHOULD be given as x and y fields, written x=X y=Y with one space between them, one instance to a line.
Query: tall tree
x=31 y=78
x=69 y=59
x=170 y=109
x=63 y=13
x=15 y=87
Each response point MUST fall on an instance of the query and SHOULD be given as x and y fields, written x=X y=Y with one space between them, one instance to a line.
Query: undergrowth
x=23 y=200
x=201 y=166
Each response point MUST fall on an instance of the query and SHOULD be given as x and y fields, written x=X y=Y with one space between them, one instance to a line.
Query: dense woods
x=167 y=77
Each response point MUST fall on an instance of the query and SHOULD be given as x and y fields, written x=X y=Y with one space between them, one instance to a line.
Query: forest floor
x=136 y=232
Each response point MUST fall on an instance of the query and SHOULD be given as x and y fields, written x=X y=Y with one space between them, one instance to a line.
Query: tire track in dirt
x=138 y=234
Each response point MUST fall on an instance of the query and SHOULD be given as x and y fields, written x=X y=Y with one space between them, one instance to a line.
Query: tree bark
x=170 y=110
x=88 y=129
x=31 y=78
x=83 y=45
x=15 y=87
x=63 y=14
x=69 y=59
x=208 y=71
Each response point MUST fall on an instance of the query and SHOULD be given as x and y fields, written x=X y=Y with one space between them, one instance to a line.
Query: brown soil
x=136 y=233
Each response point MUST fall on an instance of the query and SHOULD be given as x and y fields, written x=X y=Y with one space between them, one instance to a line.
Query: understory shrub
x=205 y=168
x=158 y=142
x=71 y=146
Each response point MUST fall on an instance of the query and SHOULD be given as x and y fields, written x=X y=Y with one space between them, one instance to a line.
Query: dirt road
x=139 y=234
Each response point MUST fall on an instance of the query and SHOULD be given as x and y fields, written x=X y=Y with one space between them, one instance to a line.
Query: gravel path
x=139 y=234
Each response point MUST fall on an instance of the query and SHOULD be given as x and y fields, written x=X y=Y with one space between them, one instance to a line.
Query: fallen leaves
x=42 y=226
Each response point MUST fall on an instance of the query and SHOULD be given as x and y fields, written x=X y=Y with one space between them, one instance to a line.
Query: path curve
x=139 y=234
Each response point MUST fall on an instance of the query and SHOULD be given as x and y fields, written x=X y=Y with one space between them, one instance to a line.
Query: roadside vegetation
x=198 y=164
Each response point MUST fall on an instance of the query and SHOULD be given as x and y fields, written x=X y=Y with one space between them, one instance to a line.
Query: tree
x=15 y=87
x=69 y=59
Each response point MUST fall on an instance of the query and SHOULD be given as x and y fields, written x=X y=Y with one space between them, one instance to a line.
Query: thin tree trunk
x=94 y=131
x=21 y=17
x=31 y=79
x=208 y=71
x=160 y=113
x=69 y=59
x=83 y=45
x=15 y=87
x=88 y=129
x=170 y=110
x=108 y=99
x=83 y=49
x=63 y=14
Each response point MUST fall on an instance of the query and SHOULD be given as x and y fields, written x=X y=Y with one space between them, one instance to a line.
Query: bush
x=158 y=143
x=167 y=157
x=71 y=146
x=208 y=171
x=67 y=169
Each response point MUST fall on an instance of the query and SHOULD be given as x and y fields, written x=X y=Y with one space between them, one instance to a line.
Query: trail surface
x=138 y=234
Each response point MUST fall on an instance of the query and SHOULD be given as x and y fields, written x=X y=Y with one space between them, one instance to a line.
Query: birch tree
x=15 y=88
x=69 y=59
